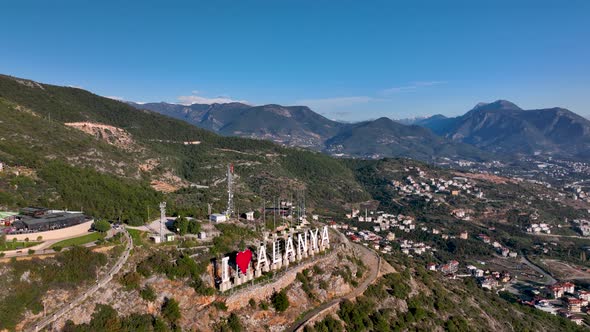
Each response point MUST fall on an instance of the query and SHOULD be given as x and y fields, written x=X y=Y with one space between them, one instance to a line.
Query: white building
x=218 y=217
x=250 y=216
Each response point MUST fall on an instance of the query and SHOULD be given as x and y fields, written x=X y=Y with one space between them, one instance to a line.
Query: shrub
x=234 y=323
x=220 y=305
x=317 y=269
x=148 y=294
x=263 y=305
x=252 y=303
x=131 y=280
x=171 y=310
x=280 y=301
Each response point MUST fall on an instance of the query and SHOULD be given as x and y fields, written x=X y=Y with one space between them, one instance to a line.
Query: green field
x=9 y=245
x=137 y=236
x=79 y=240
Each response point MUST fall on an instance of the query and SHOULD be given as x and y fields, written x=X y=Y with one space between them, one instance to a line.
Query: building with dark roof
x=39 y=220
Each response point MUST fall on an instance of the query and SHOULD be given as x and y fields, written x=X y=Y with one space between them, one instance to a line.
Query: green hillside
x=33 y=133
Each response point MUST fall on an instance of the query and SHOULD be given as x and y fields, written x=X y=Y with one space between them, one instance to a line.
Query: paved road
x=44 y=247
x=566 y=236
x=372 y=260
x=550 y=279
x=154 y=226
x=99 y=283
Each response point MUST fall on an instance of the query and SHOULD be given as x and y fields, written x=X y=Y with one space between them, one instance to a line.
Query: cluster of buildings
x=583 y=226
x=562 y=299
x=490 y=279
x=539 y=228
x=504 y=251
x=577 y=192
x=486 y=279
x=449 y=268
x=384 y=221
x=410 y=247
x=426 y=187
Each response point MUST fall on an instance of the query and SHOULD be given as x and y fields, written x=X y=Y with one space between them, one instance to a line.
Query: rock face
x=110 y=134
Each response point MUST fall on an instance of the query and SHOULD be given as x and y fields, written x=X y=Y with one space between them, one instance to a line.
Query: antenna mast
x=230 y=190
x=162 y=219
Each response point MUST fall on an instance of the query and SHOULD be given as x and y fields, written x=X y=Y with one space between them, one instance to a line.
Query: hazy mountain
x=384 y=137
x=503 y=127
x=300 y=126
x=290 y=125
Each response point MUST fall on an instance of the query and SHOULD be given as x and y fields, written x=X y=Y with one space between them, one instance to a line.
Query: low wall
x=55 y=234
x=264 y=291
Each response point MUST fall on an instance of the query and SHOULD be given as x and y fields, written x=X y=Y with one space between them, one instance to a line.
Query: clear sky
x=349 y=60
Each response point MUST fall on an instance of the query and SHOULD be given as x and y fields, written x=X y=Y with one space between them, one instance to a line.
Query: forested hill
x=55 y=131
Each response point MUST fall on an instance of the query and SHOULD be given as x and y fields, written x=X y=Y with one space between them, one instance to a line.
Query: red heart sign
x=243 y=259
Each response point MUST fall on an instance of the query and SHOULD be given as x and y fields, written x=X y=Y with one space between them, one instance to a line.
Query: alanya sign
x=290 y=248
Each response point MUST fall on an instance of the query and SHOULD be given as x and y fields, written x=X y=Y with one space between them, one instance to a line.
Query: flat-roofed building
x=48 y=221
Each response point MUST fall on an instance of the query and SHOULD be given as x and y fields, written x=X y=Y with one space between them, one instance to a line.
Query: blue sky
x=349 y=60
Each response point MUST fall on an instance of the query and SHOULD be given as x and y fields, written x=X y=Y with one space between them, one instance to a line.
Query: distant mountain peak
x=500 y=105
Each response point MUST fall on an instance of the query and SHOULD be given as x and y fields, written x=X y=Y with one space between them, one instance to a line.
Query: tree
x=181 y=225
x=194 y=227
x=171 y=310
x=102 y=226
x=3 y=240
x=280 y=301
x=105 y=318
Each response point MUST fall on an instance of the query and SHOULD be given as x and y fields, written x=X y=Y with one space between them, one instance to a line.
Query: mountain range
x=300 y=126
x=504 y=128
x=499 y=128
x=289 y=125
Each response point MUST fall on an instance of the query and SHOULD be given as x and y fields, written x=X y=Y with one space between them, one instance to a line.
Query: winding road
x=99 y=283
x=547 y=275
x=370 y=259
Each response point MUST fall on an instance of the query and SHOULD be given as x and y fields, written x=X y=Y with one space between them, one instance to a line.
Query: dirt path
x=372 y=260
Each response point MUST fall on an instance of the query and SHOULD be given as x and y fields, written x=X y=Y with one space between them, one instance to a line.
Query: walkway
x=99 y=283
x=370 y=259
